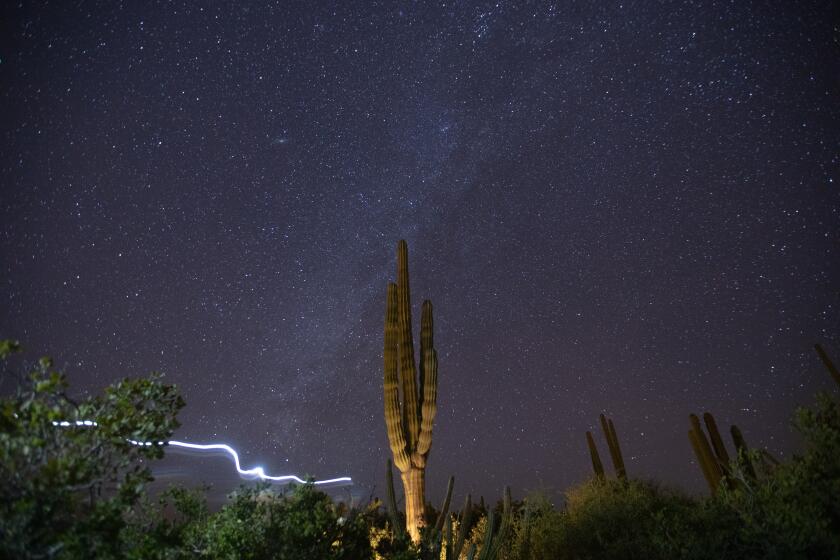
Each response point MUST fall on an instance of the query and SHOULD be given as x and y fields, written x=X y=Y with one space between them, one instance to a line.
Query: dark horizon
x=614 y=207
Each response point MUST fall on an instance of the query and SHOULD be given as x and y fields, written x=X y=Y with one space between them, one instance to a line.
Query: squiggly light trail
x=258 y=472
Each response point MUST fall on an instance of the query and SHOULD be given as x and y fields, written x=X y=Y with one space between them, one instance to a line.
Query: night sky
x=627 y=208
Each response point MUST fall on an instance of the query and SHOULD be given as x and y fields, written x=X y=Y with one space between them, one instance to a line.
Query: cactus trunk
x=414 y=485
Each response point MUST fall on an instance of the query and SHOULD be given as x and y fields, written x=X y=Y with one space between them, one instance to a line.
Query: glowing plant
x=409 y=420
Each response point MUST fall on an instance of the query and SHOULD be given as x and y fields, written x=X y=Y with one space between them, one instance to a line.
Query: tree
x=65 y=486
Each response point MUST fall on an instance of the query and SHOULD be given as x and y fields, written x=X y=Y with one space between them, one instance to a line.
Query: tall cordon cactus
x=713 y=457
x=409 y=413
x=615 y=450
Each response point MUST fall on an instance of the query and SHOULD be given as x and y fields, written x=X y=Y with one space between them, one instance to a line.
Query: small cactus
x=493 y=541
x=438 y=538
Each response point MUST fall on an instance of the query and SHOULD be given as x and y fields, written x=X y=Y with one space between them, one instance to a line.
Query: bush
x=619 y=519
x=536 y=530
x=64 y=490
x=303 y=524
x=793 y=510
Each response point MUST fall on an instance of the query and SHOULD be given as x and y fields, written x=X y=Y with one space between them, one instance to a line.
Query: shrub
x=64 y=490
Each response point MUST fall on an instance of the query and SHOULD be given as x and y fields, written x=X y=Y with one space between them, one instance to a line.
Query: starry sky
x=627 y=208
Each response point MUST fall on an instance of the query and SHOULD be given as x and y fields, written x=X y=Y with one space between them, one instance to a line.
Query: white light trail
x=257 y=472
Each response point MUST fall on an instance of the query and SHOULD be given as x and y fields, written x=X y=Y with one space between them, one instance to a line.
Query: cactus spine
x=409 y=422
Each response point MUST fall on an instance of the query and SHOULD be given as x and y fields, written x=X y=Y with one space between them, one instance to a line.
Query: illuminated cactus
x=410 y=421
x=493 y=541
x=453 y=547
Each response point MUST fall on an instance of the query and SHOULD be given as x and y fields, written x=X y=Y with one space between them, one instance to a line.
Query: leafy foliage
x=793 y=511
x=64 y=490
x=304 y=524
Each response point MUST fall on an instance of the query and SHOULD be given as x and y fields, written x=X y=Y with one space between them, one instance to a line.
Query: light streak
x=257 y=472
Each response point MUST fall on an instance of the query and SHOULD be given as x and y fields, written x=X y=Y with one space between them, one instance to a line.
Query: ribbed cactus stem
x=493 y=540
x=414 y=487
x=405 y=343
x=392 y=501
x=454 y=552
x=612 y=443
x=444 y=510
x=428 y=383
x=701 y=460
x=717 y=441
x=707 y=454
x=393 y=412
x=410 y=421
x=618 y=460
x=829 y=365
x=597 y=466
x=743 y=451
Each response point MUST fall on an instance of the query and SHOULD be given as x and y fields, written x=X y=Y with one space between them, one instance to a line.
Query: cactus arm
x=444 y=511
x=462 y=529
x=832 y=369
x=738 y=439
x=695 y=445
x=620 y=470
x=447 y=539
x=606 y=429
x=743 y=451
x=426 y=343
x=405 y=342
x=393 y=420
x=597 y=466
x=717 y=441
x=504 y=527
x=612 y=444
x=424 y=442
x=392 y=502
x=706 y=451
x=488 y=537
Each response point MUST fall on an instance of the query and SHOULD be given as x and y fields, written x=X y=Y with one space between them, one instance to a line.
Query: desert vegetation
x=80 y=493
x=72 y=487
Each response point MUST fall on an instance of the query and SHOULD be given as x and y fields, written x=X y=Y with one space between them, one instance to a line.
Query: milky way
x=627 y=208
